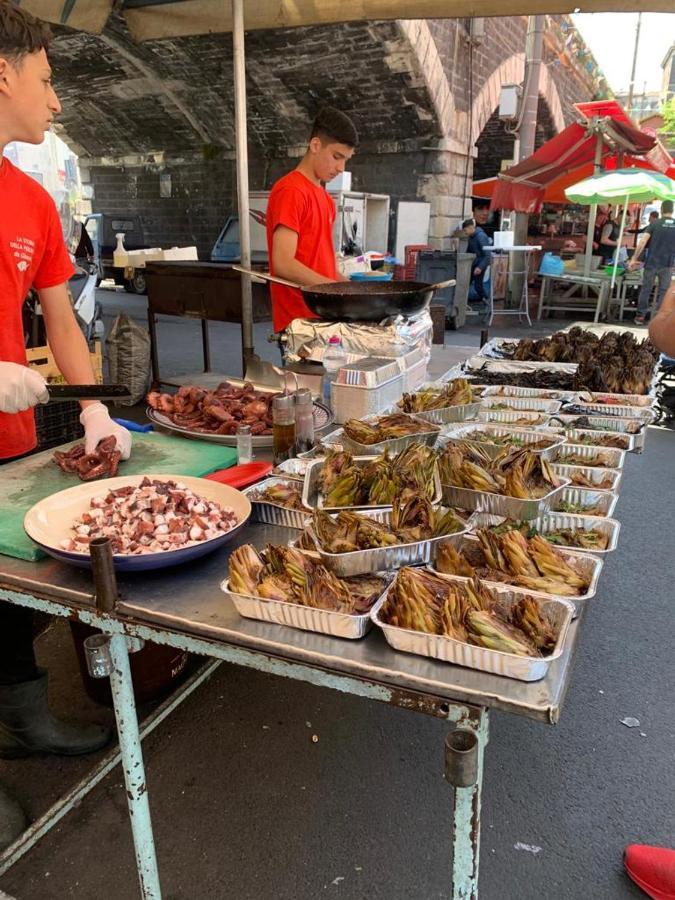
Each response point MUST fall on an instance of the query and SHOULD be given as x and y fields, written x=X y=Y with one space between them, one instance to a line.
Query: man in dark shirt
x=478 y=241
x=660 y=237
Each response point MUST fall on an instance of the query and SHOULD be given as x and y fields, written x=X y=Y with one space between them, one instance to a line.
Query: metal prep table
x=184 y=608
x=568 y=302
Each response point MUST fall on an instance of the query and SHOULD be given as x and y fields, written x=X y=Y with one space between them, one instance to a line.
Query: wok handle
x=266 y=276
x=443 y=284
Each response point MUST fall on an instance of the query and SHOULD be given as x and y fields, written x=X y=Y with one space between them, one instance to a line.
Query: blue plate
x=49 y=521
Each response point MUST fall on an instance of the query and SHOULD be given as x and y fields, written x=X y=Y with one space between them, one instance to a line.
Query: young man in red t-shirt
x=32 y=253
x=301 y=214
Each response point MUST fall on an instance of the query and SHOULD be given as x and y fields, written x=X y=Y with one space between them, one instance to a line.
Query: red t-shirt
x=308 y=210
x=32 y=254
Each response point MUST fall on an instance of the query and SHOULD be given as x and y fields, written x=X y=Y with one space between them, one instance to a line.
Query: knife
x=61 y=392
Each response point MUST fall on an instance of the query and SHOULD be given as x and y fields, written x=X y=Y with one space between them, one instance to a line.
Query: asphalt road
x=246 y=805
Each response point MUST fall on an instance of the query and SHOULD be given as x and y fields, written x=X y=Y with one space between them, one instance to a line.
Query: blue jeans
x=649 y=274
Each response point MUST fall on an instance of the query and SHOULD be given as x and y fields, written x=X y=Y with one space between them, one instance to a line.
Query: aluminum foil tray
x=500 y=505
x=614 y=457
x=460 y=432
x=446 y=415
x=509 y=390
x=273 y=513
x=609 y=423
x=524 y=668
x=292 y=468
x=605 y=501
x=369 y=372
x=536 y=404
x=382 y=559
x=523 y=418
x=587 y=564
x=595 y=474
x=475 y=363
x=394 y=445
x=642 y=401
x=572 y=435
x=294 y=615
x=643 y=414
x=555 y=520
x=313 y=500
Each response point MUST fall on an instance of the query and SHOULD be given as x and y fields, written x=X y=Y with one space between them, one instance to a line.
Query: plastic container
x=334 y=358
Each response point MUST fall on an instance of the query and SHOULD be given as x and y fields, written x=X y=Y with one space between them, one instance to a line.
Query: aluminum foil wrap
x=307 y=338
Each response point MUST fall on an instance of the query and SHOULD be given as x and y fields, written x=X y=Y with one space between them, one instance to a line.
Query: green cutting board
x=24 y=482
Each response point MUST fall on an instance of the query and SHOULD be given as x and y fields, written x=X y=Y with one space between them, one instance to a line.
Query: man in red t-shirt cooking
x=32 y=253
x=301 y=214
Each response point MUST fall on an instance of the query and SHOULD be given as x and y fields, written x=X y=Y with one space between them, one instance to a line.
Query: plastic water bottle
x=334 y=358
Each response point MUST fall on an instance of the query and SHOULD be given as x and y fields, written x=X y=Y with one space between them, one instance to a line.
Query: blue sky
x=611 y=37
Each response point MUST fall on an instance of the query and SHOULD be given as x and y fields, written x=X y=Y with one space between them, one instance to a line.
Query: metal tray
x=382 y=559
x=643 y=414
x=482 y=361
x=510 y=390
x=639 y=400
x=587 y=564
x=294 y=469
x=594 y=473
x=529 y=437
x=294 y=615
x=274 y=513
x=444 y=415
x=609 y=423
x=394 y=445
x=521 y=419
x=572 y=435
x=535 y=404
x=311 y=496
x=554 y=520
x=614 y=457
x=323 y=417
x=604 y=500
x=499 y=504
x=523 y=668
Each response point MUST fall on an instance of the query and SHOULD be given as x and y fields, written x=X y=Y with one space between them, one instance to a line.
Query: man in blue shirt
x=659 y=236
x=478 y=241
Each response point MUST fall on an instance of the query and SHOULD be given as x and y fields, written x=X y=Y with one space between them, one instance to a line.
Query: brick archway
x=512 y=71
x=422 y=44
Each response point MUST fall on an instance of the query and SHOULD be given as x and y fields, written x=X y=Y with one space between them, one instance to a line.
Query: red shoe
x=652 y=868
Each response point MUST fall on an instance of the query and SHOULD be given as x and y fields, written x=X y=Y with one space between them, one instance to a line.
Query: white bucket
x=503 y=239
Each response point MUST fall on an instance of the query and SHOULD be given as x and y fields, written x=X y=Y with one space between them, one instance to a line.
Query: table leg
x=154 y=358
x=134 y=771
x=466 y=822
x=206 y=348
x=542 y=295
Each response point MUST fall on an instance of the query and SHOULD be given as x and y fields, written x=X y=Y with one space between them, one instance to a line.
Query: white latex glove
x=20 y=388
x=98 y=425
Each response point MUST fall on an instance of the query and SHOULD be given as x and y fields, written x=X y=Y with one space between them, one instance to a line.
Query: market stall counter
x=184 y=608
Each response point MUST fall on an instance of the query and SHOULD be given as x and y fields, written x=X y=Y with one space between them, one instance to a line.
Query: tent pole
x=618 y=246
x=594 y=206
x=241 y=145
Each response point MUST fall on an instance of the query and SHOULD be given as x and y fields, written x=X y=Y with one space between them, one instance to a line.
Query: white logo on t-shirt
x=23 y=250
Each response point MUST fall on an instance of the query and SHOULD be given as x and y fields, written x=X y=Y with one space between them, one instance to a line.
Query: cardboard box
x=42 y=360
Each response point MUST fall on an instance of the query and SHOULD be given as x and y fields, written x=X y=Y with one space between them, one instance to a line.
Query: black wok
x=356 y=301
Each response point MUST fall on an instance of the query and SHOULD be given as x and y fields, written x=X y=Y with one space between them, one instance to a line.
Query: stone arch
x=512 y=71
x=421 y=41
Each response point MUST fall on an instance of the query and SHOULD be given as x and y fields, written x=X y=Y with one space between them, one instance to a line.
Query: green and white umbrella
x=621 y=186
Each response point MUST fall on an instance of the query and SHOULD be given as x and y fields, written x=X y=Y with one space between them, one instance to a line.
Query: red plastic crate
x=411 y=252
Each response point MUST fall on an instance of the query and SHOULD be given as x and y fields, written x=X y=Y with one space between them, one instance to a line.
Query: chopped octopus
x=102 y=463
x=150 y=518
x=217 y=411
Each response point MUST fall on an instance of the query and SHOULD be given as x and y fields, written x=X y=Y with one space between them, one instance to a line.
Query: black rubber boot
x=27 y=725
x=13 y=820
